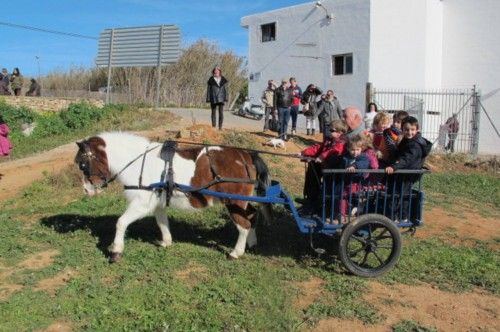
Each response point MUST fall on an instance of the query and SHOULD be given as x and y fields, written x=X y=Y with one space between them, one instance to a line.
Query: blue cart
x=366 y=209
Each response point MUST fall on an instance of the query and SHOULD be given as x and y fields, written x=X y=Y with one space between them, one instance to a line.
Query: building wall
x=305 y=42
x=405 y=43
x=471 y=55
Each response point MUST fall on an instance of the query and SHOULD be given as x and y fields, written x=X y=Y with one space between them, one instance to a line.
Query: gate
x=448 y=118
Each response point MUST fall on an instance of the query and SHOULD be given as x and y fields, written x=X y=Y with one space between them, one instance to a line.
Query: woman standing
x=217 y=94
x=16 y=81
x=310 y=109
x=371 y=111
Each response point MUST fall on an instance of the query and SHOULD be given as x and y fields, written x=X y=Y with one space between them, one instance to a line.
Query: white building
x=402 y=44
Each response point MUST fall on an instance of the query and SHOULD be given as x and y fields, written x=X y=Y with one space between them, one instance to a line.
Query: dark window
x=268 y=32
x=342 y=64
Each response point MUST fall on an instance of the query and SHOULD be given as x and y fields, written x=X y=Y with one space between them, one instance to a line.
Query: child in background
x=5 y=144
x=392 y=137
x=332 y=146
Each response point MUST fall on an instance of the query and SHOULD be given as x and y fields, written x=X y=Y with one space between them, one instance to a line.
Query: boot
x=313 y=131
x=308 y=132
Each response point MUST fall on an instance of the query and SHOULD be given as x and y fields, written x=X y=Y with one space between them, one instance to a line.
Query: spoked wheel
x=370 y=246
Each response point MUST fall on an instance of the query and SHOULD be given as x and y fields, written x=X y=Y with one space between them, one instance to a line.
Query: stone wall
x=47 y=103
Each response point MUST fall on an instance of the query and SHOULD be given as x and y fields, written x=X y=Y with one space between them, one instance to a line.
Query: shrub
x=80 y=115
x=49 y=124
x=15 y=116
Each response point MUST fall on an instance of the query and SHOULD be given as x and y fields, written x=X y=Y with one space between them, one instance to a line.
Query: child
x=5 y=145
x=392 y=137
x=410 y=155
x=354 y=158
x=381 y=122
x=413 y=148
x=332 y=146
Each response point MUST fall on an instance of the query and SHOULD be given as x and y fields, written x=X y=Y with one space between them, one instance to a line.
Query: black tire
x=370 y=246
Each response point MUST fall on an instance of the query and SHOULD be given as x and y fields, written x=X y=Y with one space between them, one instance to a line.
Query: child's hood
x=425 y=145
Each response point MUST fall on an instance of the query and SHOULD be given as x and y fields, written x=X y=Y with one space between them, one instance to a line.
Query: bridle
x=85 y=167
x=89 y=156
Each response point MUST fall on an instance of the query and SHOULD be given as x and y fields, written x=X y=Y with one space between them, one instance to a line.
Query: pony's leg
x=134 y=212
x=240 y=216
x=163 y=224
x=252 y=235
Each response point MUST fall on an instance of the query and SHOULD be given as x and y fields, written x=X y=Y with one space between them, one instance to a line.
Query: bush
x=15 y=116
x=49 y=124
x=80 y=115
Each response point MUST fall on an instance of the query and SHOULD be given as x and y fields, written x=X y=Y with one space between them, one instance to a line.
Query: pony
x=133 y=160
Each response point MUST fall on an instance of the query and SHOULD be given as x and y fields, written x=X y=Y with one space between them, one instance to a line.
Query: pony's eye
x=82 y=166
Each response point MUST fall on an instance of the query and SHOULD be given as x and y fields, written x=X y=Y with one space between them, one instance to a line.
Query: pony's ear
x=81 y=146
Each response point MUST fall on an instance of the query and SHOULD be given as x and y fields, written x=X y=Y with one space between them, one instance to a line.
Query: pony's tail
x=263 y=181
x=263 y=177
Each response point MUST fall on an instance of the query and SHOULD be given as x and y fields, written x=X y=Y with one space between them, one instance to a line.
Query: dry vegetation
x=182 y=84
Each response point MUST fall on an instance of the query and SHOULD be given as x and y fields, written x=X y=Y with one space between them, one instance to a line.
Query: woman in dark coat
x=217 y=94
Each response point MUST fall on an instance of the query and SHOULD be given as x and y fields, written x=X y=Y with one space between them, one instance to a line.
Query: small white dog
x=276 y=143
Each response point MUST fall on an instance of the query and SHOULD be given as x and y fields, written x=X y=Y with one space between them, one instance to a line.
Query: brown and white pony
x=104 y=156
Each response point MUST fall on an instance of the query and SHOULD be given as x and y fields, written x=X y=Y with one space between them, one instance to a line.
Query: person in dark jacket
x=328 y=111
x=35 y=89
x=284 y=97
x=217 y=95
x=310 y=109
x=411 y=155
x=294 y=109
x=4 y=82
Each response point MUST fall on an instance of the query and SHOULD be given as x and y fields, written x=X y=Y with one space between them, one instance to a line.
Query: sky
x=214 y=20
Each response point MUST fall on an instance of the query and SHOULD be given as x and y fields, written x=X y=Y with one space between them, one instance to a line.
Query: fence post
x=475 y=121
x=368 y=94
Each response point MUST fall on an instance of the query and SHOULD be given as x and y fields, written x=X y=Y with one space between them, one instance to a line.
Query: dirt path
x=19 y=173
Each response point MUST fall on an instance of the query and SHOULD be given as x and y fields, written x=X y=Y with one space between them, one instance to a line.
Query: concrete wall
x=471 y=55
x=405 y=43
x=305 y=42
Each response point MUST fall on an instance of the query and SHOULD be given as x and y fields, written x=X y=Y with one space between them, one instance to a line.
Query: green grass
x=145 y=291
x=411 y=326
x=480 y=191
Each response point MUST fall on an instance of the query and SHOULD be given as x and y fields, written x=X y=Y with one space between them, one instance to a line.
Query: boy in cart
x=411 y=154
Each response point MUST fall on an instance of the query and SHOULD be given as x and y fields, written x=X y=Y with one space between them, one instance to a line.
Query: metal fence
x=434 y=109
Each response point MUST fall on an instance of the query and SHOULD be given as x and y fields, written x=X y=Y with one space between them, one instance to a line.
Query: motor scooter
x=254 y=110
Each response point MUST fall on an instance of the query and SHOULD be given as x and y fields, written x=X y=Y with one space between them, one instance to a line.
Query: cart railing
x=348 y=194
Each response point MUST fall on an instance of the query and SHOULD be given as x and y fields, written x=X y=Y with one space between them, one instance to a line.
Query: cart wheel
x=370 y=246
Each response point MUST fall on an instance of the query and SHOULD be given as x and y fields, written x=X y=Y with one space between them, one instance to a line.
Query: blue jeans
x=284 y=117
x=294 y=111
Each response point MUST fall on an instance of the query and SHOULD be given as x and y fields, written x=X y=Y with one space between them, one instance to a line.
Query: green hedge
x=76 y=116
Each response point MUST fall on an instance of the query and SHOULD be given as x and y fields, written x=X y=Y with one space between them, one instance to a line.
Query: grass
x=481 y=191
x=411 y=326
x=191 y=286
x=143 y=119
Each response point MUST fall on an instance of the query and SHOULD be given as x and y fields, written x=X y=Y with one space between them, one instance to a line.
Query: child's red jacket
x=326 y=149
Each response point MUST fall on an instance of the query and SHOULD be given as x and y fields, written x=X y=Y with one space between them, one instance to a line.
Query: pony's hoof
x=162 y=244
x=230 y=257
x=115 y=257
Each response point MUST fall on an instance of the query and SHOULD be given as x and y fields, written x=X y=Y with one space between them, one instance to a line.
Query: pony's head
x=93 y=162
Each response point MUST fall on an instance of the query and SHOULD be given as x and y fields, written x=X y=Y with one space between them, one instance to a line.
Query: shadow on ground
x=277 y=238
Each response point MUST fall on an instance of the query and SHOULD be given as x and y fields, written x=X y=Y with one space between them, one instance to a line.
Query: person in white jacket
x=370 y=113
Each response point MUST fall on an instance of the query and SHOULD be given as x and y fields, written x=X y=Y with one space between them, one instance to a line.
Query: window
x=268 y=32
x=342 y=64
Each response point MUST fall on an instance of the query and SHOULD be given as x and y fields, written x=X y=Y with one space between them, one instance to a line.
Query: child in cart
x=357 y=156
x=320 y=155
x=391 y=138
x=411 y=154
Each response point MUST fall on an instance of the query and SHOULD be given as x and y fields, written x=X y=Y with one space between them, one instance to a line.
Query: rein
x=113 y=178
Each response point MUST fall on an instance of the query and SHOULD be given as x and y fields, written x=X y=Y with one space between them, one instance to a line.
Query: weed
x=411 y=326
